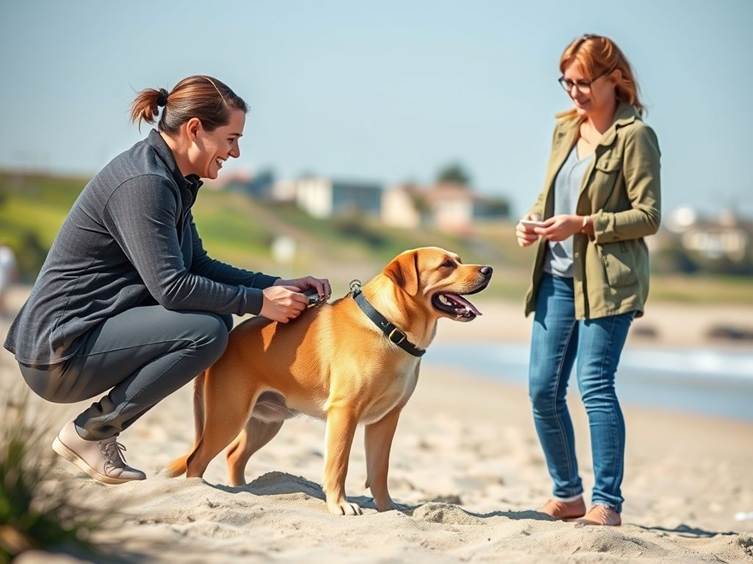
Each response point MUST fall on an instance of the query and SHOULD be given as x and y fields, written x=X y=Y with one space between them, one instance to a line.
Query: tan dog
x=334 y=363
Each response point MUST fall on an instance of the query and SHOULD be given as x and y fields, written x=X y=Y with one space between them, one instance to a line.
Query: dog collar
x=390 y=330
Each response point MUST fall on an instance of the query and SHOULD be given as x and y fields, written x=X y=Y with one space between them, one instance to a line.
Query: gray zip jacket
x=128 y=241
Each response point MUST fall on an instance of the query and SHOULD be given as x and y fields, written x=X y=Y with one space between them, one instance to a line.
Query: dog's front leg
x=378 y=440
x=341 y=426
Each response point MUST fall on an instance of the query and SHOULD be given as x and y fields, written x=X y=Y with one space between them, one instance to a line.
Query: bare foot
x=564 y=509
x=601 y=515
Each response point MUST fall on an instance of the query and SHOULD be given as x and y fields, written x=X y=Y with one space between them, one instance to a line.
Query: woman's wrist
x=586 y=227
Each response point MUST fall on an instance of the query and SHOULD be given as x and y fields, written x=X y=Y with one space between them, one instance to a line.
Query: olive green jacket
x=621 y=189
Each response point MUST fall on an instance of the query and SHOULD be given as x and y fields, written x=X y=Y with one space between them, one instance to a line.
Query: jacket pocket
x=608 y=163
x=619 y=264
x=607 y=170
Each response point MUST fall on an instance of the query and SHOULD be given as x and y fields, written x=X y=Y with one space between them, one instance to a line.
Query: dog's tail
x=178 y=466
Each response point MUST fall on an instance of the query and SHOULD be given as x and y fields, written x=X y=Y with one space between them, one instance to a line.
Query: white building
x=717 y=242
x=324 y=197
x=448 y=207
x=401 y=206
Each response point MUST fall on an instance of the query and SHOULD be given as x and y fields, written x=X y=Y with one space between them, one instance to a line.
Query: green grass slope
x=239 y=230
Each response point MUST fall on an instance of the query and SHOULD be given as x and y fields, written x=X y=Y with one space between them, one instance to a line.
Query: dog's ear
x=403 y=271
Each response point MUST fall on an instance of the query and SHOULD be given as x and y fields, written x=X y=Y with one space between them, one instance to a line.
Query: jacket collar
x=568 y=123
x=191 y=182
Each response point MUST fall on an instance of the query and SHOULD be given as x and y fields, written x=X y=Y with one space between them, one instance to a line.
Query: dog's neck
x=401 y=310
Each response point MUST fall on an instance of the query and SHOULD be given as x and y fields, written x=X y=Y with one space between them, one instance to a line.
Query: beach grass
x=35 y=513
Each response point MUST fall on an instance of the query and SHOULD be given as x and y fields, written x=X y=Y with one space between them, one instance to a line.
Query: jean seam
x=570 y=468
x=610 y=340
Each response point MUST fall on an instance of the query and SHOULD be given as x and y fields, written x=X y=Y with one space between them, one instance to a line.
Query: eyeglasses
x=583 y=86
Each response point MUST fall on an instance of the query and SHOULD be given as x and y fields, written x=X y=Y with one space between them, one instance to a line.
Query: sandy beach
x=465 y=464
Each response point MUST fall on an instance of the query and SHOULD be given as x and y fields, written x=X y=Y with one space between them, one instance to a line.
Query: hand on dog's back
x=282 y=303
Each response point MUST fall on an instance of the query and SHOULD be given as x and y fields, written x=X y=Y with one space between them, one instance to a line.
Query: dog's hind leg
x=269 y=412
x=226 y=409
x=255 y=435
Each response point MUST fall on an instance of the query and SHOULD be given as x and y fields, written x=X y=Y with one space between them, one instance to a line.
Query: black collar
x=391 y=331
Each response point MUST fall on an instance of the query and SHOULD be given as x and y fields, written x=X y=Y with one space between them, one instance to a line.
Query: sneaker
x=601 y=515
x=102 y=460
x=559 y=509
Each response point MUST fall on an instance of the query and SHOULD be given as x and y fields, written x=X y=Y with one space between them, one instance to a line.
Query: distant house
x=404 y=206
x=259 y=186
x=235 y=179
x=724 y=237
x=448 y=207
x=284 y=191
x=445 y=206
x=716 y=241
x=325 y=197
x=452 y=206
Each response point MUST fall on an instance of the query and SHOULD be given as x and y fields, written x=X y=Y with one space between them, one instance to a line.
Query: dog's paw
x=343 y=507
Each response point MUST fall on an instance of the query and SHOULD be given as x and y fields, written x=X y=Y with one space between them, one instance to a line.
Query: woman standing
x=128 y=300
x=591 y=273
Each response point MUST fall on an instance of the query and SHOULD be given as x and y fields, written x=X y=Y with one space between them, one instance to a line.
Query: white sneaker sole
x=70 y=456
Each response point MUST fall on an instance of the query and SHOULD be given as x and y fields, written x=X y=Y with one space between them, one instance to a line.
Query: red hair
x=598 y=55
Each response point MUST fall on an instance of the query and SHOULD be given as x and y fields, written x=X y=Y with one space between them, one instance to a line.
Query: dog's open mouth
x=455 y=305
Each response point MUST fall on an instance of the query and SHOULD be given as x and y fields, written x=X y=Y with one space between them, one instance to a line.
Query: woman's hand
x=282 y=303
x=284 y=300
x=302 y=284
x=526 y=235
x=560 y=227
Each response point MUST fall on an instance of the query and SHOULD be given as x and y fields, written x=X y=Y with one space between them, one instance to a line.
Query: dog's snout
x=486 y=271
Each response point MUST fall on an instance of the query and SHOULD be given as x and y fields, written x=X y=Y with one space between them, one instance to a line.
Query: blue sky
x=383 y=91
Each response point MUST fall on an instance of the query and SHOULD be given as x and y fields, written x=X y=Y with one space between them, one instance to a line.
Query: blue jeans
x=558 y=339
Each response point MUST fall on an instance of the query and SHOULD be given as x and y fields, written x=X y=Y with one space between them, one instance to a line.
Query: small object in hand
x=532 y=223
x=313 y=297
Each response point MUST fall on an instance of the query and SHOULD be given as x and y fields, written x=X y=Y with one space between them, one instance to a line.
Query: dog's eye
x=447 y=264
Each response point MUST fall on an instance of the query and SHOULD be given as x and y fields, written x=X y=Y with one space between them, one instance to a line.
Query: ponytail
x=147 y=103
x=199 y=96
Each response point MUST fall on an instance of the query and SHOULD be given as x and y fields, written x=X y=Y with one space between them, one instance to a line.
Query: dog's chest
x=398 y=391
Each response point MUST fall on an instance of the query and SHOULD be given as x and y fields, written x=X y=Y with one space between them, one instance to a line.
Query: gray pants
x=141 y=355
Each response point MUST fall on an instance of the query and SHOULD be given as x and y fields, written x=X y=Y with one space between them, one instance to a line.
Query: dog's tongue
x=462 y=302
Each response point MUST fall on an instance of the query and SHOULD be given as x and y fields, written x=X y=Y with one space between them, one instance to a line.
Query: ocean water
x=707 y=381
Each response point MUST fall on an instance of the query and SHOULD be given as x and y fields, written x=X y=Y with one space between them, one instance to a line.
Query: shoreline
x=676 y=325
x=627 y=401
